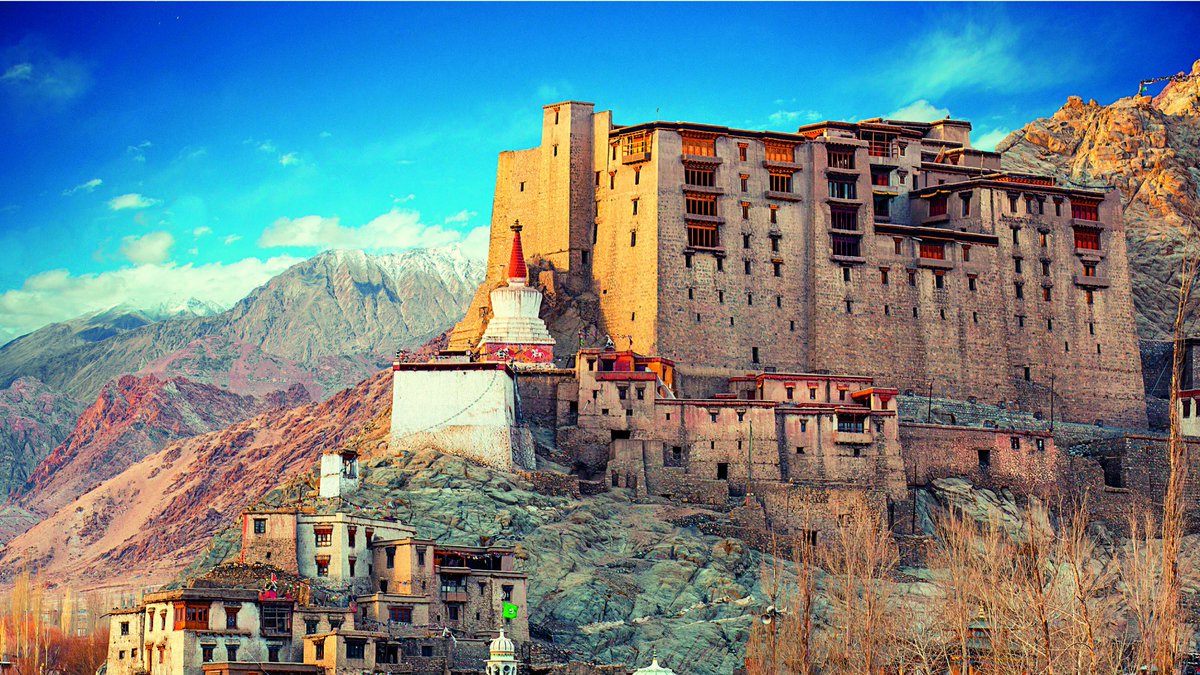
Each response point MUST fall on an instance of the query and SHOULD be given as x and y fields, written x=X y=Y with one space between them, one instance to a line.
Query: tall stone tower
x=550 y=189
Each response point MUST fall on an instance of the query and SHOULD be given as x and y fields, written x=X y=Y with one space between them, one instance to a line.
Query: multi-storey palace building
x=889 y=249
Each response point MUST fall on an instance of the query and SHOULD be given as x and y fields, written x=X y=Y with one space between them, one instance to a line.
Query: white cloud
x=84 y=187
x=919 y=111
x=57 y=295
x=230 y=238
x=395 y=230
x=401 y=200
x=201 y=231
x=289 y=159
x=132 y=200
x=989 y=140
x=20 y=71
x=267 y=146
x=475 y=244
x=794 y=116
x=153 y=247
x=325 y=134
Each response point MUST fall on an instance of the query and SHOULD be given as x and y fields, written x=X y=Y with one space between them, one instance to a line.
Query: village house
x=358 y=594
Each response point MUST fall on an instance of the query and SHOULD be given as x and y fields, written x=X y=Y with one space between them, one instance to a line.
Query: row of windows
x=691 y=292
x=747 y=265
x=1081 y=209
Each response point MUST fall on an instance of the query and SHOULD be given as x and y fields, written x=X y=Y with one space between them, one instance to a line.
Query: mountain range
x=322 y=325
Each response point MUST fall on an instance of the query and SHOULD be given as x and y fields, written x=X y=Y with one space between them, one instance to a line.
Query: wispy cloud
x=89 y=186
x=460 y=217
x=138 y=152
x=325 y=134
x=154 y=247
x=919 y=111
x=132 y=200
x=57 y=295
x=33 y=70
x=395 y=230
x=230 y=238
x=190 y=153
x=793 y=116
x=992 y=55
x=201 y=231
x=989 y=140
x=403 y=199
x=21 y=72
x=289 y=159
x=553 y=92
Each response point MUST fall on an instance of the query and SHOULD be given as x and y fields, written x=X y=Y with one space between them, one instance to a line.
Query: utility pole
x=1051 y=402
x=750 y=460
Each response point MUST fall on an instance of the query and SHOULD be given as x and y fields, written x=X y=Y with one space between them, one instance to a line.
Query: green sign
x=509 y=611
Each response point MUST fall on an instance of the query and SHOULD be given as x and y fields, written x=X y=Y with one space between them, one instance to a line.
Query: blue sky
x=155 y=151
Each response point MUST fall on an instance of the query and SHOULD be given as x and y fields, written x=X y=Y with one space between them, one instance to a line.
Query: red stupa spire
x=516 y=262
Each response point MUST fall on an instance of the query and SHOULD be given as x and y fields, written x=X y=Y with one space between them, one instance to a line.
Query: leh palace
x=756 y=322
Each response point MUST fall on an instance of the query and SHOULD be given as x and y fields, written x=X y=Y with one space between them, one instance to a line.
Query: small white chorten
x=516 y=332
x=654 y=669
x=504 y=659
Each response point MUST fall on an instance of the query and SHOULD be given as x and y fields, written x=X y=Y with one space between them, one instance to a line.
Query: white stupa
x=516 y=332
x=654 y=669
x=503 y=659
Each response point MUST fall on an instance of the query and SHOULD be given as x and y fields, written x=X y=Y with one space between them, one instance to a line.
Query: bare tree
x=859 y=562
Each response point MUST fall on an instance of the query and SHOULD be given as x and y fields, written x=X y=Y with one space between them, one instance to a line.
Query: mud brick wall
x=986 y=457
x=553 y=484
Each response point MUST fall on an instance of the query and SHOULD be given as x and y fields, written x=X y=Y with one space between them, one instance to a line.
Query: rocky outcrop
x=1148 y=149
x=131 y=418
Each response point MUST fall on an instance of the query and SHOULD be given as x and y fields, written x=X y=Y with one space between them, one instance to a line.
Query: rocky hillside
x=324 y=323
x=606 y=573
x=1149 y=150
x=33 y=420
x=141 y=526
x=131 y=418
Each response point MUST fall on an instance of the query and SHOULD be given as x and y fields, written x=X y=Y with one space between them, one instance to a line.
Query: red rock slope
x=143 y=525
x=131 y=418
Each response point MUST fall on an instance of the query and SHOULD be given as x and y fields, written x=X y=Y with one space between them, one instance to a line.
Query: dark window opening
x=722 y=471
x=702 y=235
x=1112 y=472
x=846 y=246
